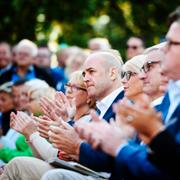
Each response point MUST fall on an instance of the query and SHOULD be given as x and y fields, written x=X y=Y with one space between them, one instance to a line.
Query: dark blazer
x=39 y=73
x=94 y=159
x=132 y=161
x=166 y=147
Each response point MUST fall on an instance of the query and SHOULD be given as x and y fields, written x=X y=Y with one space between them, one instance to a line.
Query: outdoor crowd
x=122 y=120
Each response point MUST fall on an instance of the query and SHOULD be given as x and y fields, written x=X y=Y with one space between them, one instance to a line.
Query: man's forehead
x=92 y=61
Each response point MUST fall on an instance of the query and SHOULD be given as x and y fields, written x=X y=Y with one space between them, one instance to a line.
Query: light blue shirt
x=30 y=74
x=174 y=96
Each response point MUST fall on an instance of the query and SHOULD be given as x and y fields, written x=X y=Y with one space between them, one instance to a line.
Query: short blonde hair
x=38 y=88
x=78 y=78
x=135 y=64
x=37 y=94
x=155 y=47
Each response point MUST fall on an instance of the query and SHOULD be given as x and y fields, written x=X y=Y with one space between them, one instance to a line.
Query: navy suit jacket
x=166 y=147
x=132 y=161
x=94 y=159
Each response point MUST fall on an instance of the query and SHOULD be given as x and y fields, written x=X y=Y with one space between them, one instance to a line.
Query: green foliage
x=82 y=19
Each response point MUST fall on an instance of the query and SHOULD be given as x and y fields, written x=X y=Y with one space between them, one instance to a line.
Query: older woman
x=133 y=86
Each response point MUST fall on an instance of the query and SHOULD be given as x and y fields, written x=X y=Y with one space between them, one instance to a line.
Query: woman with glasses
x=76 y=89
x=133 y=86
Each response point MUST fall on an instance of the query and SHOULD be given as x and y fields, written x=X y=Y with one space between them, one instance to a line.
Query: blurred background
x=60 y=23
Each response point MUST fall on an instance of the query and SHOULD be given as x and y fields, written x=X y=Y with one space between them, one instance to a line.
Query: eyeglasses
x=127 y=74
x=73 y=88
x=172 y=43
x=131 y=47
x=147 y=66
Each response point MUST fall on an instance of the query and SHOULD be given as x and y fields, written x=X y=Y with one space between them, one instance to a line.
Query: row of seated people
x=135 y=113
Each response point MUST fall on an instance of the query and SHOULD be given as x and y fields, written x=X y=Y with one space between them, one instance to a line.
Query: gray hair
x=135 y=64
x=25 y=43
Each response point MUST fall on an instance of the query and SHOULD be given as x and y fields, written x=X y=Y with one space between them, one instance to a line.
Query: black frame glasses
x=73 y=87
x=127 y=74
x=147 y=66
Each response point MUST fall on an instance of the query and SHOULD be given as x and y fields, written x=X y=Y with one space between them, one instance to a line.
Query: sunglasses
x=147 y=66
x=131 y=47
x=127 y=75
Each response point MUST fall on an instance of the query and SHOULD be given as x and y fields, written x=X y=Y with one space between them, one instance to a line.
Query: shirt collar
x=174 y=90
x=157 y=101
x=105 y=103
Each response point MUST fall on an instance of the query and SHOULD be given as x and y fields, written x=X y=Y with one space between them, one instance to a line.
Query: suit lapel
x=109 y=113
x=164 y=106
x=173 y=124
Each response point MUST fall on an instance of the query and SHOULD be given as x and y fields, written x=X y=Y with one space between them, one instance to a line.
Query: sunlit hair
x=77 y=78
x=37 y=88
x=154 y=48
x=135 y=64
x=25 y=43
x=37 y=94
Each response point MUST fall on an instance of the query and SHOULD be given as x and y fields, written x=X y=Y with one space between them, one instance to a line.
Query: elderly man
x=26 y=52
x=5 y=57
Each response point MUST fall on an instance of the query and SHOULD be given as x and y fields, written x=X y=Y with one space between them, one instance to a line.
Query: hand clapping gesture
x=60 y=107
x=107 y=137
x=23 y=123
x=66 y=139
x=142 y=117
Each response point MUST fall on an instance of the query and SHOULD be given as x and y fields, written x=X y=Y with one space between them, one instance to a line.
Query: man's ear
x=113 y=73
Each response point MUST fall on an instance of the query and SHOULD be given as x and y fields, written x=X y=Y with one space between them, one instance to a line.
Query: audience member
x=135 y=46
x=5 y=57
x=6 y=105
x=95 y=44
x=26 y=52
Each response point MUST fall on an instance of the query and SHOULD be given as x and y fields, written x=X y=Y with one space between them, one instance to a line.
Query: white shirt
x=105 y=103
x=157 y=101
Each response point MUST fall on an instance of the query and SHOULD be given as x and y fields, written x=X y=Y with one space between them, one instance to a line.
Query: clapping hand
x=23 y=123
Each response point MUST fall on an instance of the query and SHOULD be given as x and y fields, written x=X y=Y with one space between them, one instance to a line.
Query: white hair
x=155 y=47
x=135 y=64
x=25 y=43
x=37 y=84
x=102 y=42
